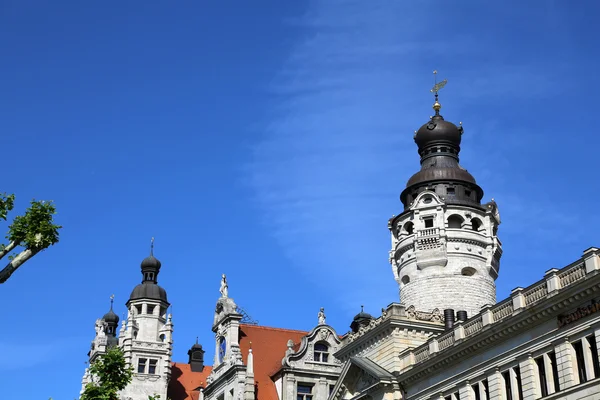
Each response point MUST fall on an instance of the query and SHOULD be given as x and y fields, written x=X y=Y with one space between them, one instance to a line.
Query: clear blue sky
x=270 y=140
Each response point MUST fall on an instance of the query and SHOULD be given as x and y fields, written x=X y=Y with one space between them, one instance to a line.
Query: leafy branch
x=33 y=231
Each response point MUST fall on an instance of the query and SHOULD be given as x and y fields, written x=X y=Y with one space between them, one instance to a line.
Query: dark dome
x=150 y=262
x=361 y=316
x=111 y=317
x=438 y=131
x=150 y=291
x=360 y=319
x=441 y=173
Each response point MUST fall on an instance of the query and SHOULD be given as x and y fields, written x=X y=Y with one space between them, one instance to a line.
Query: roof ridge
x=273 y=328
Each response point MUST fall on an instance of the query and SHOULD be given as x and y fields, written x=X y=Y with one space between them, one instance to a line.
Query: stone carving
x=324 y=334
x=100 y=326
x=224 y=287
x=322 y=316
x=364 y=381
x=434 y=316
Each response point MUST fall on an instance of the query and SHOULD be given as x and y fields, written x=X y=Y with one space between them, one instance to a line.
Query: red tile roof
x=184 y=381
x=268 y=346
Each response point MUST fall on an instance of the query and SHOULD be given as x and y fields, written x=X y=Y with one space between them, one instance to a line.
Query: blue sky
x=270 y=140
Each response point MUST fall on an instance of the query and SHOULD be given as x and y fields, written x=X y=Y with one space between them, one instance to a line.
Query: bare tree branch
x=11 y=246
x=16 y=262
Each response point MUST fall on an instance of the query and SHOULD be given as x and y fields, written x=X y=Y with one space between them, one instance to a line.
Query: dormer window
x=321 y=352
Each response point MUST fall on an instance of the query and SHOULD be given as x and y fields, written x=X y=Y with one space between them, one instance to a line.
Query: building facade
x=447 y=338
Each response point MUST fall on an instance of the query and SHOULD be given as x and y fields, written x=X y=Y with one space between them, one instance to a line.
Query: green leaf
x=7 y=202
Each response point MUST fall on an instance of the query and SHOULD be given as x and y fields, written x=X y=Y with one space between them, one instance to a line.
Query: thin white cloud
x=338 y=149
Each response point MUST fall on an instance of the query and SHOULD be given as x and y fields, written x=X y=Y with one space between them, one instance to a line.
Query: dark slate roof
x=372 y=368
x=111 y=317
x=149 y=290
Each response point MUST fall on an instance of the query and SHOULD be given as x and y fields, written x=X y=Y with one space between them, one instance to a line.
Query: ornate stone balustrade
x=554 y=281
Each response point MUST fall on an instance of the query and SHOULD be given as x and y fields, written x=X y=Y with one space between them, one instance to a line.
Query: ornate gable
x=316 y=350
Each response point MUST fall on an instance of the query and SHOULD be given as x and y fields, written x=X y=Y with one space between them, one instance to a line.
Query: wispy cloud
x=338 y=150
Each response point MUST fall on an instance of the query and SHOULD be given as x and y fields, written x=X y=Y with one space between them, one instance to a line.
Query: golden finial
x=435 y=89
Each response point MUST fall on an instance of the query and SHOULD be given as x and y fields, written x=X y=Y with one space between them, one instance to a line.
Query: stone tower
x=147 y=336
x=106 y=336
x=445 y=250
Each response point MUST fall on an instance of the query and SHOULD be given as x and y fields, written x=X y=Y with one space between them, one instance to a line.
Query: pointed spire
x=250 y=362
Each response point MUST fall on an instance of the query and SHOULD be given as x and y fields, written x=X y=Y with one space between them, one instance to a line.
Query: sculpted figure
x=322 y=316
x=224 y=288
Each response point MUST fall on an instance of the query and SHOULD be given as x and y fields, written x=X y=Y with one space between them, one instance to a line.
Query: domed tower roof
x=360 y=319
x=149 y=288
x=438 y=144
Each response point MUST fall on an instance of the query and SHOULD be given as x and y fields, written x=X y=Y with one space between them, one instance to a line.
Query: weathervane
x=435 y=89
x=112 y=299
x=152 y=246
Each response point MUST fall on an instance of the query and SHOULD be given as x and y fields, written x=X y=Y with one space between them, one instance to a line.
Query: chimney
x=461 y=315
x=449 y=318
x=196 y=359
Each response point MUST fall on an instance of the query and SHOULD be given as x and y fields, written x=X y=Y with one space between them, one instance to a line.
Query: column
x=587 y=357
x=529 y=378
x=565 y=361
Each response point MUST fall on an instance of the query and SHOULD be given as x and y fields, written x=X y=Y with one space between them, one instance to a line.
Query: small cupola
x=111 y=319
x=360 y=319
x=196 y=357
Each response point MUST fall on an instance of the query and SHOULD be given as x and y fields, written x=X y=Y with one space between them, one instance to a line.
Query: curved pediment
x=426 y=199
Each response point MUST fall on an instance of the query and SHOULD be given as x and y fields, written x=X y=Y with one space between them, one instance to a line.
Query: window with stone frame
x=304 y=391
x=141 y=369
x=152 y=367
x=321 y=352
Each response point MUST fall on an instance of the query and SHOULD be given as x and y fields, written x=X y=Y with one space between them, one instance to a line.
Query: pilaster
x=529 y=379
x=565 y=362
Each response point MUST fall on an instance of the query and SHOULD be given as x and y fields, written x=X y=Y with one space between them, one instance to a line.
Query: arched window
x=455 y=221
x=476 y=224
x=321 y=352
x=162 y=337
x=409 y=227
x=468 y=271
x=405 y=279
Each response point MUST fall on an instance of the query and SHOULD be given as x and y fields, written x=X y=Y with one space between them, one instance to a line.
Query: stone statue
x=322 y=316
x=224 y=288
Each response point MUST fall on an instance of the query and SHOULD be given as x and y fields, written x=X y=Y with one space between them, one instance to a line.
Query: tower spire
x=435 y=89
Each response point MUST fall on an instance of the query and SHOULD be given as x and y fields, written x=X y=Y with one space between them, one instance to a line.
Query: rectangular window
x=554 y=366
x=578 y=347
x=541 y=369
x=429 y=223
x=467 y=193
x=304 y=391
x=507 y=385
x=519 y=383
x=594 y=350
x=152 y=367
x=138 y=309
x=150 y=309
x=475 y=389
x=331 y=389
x=141 y=366
x=450 y=191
